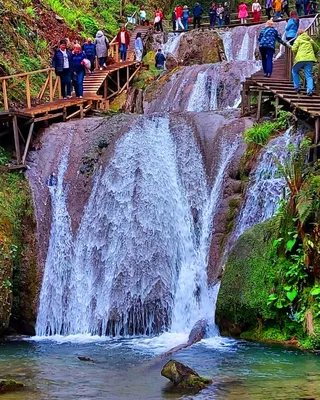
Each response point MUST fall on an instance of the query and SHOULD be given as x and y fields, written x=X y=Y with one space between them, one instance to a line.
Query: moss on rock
x=19 y=282
x=10 y=385
x=247 y=280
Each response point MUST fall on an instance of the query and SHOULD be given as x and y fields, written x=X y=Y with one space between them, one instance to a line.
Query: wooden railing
x=114 y=50
x=51 y=86
x=311 y=30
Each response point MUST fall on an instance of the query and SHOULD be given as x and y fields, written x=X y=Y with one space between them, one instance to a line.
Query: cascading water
x=265 y=184
x=137 y=264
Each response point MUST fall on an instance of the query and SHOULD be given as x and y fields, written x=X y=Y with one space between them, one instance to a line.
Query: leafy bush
x=89 y=24
x=30 y=11
x=260 y=133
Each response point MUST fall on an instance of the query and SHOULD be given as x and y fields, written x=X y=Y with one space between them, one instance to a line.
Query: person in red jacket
x=123 y=38
x=158 y=17
x=179 y=15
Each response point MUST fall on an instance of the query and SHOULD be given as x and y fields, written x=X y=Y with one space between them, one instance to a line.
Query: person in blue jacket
x=62 y=64
x=160 y=59
x=292 y=27
x=197 y=13
x=267 y=43
x=78 y=69
x=90 y=50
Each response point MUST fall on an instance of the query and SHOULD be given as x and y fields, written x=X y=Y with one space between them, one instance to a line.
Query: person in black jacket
x=197 y=13
x=62 y=64
x=160 y=59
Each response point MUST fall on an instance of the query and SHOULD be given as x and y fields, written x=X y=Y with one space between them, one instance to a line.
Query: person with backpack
x=305 y=50
x=197 y=14
x=90 y=50
x=78 y=56
x=256 y=11
x=267 y=44
x=185 y=17
x=213 y=14
x=159 y=60
x=292 y=27
x=102 y=46
x=63 y=66
x=220 y=15
x=123 y=38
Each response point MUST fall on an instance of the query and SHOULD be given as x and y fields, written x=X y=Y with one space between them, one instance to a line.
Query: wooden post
x=50 y=86
x=28 y=143
x=118 y=80
x=316 y=138
x=128 y=76
x=64 y=116
x=59 y=87
x=276 y=106
x=105 y=88
x=16 y=139
x=28 y=91
x=5 y=97
x=259 y=104
x=117 y=52
x=81 y=110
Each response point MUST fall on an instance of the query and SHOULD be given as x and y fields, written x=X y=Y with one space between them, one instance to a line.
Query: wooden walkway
x=99 y=88
x=280 y=87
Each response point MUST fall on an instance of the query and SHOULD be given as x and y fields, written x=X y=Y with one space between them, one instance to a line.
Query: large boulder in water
x=10 y=385
x=184 y=377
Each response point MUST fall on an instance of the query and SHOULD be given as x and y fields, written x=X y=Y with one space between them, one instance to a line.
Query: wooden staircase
x=138 y=28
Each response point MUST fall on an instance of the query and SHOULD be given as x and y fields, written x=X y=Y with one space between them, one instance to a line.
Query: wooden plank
x=43 y=89
x=5 y=96
x=259 y=105
x=28 y=91
x=16 y=139
x=48 y=116
x=81 y=111
x=316 y=139
x=50 y=86
x=28 y=143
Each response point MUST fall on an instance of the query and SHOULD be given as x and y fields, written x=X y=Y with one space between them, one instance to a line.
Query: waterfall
x=265 y=184
x=138 y=261
x=244 y=49
x=56 y=279
x=172 y=43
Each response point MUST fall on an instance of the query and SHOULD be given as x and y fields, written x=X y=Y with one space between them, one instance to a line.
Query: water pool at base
x=126 y=369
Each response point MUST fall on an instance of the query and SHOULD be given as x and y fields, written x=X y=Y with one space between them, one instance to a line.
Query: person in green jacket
x=305 y=50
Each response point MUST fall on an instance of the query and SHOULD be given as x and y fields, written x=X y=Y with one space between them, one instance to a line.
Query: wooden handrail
x=25 y=77
x=39 y=71
x=311 y=30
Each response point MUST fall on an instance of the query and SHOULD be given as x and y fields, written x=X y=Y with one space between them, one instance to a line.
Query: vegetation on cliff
x=270 y=289
x=18 y=271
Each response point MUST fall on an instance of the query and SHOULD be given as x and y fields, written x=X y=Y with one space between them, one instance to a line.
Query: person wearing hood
x=102 y=46
x=305 y=51
x=267 y=44
x=197 y=13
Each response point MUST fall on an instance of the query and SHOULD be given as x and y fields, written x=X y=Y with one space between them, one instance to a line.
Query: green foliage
x=260 y=133
x=30 y=11
x=89 y=24
x=4 y=156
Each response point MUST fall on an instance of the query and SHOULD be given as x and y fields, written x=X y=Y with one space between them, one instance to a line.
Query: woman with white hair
x=267 y=44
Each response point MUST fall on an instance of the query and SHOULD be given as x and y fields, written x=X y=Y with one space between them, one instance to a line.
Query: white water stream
x=137 y=264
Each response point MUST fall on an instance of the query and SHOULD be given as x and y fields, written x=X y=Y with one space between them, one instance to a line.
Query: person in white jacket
x=256 y=11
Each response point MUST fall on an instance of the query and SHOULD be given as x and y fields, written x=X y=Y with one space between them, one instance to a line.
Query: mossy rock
x=247 y=280
x=183 y=377
x=10 y=385
x=119 y=102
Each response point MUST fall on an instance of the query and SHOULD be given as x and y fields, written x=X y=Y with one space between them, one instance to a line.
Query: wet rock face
x=200 y=47
x=183 y=377
x=199 y=88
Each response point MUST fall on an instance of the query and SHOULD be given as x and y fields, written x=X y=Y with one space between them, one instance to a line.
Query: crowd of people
x=220 y=13
x=72 y=61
